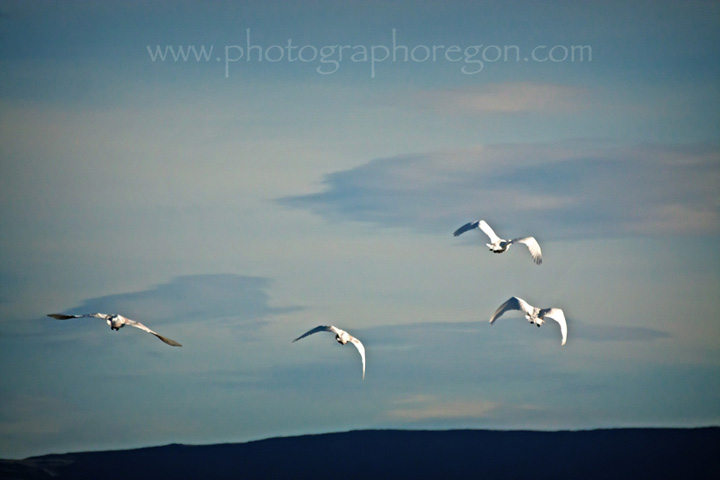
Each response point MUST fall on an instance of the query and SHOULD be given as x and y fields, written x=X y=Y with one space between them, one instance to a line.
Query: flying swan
x=116 y=322
x=341 y=336
x=533 y=314
x=499 y=245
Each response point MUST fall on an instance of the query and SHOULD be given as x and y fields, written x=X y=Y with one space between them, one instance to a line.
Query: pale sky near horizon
x=233 y=201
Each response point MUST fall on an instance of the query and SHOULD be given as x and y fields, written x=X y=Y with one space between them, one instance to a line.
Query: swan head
x=499 y=247
x=115 y=322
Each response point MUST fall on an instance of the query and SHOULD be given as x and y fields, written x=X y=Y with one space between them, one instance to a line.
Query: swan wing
x=559 y=316
x=142 y=327
x=60 y=316
x=358 y=344
x=465 y=228
x=320 y=328
x=488 y=231
x=533 y=246
x=514 y=303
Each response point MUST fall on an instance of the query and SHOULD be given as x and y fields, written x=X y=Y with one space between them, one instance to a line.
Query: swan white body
x=499 y=245
x=116 y=322
x=533 y=314
x=342 y=337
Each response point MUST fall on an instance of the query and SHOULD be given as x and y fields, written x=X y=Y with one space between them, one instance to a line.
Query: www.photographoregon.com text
x=471 y=59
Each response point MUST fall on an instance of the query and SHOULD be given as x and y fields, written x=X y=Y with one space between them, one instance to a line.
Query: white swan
x=533 y=314
x=116 y=322
x=341 y=336
x=499 y=245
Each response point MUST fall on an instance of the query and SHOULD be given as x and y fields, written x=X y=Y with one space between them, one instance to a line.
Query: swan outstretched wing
x=465 y=228
x=559 y=316
x=488 y=231
x=139 y=325
x=514 y=303
x=482 y=224
x=60 y=316
x=533 y=246
x=321 y=328
x=358 y=344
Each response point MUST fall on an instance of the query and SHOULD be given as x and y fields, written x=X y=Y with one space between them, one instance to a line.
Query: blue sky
x=233 y=205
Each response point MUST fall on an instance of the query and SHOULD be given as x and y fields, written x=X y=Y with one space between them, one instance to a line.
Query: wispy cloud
x=614 y=333
x=417 y=335
x=429 y=407
x=506 y=98
x=194 y=297
x=577 y=188
x=19 y=408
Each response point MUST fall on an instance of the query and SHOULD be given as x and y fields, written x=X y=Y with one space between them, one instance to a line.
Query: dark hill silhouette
x=373 y=454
